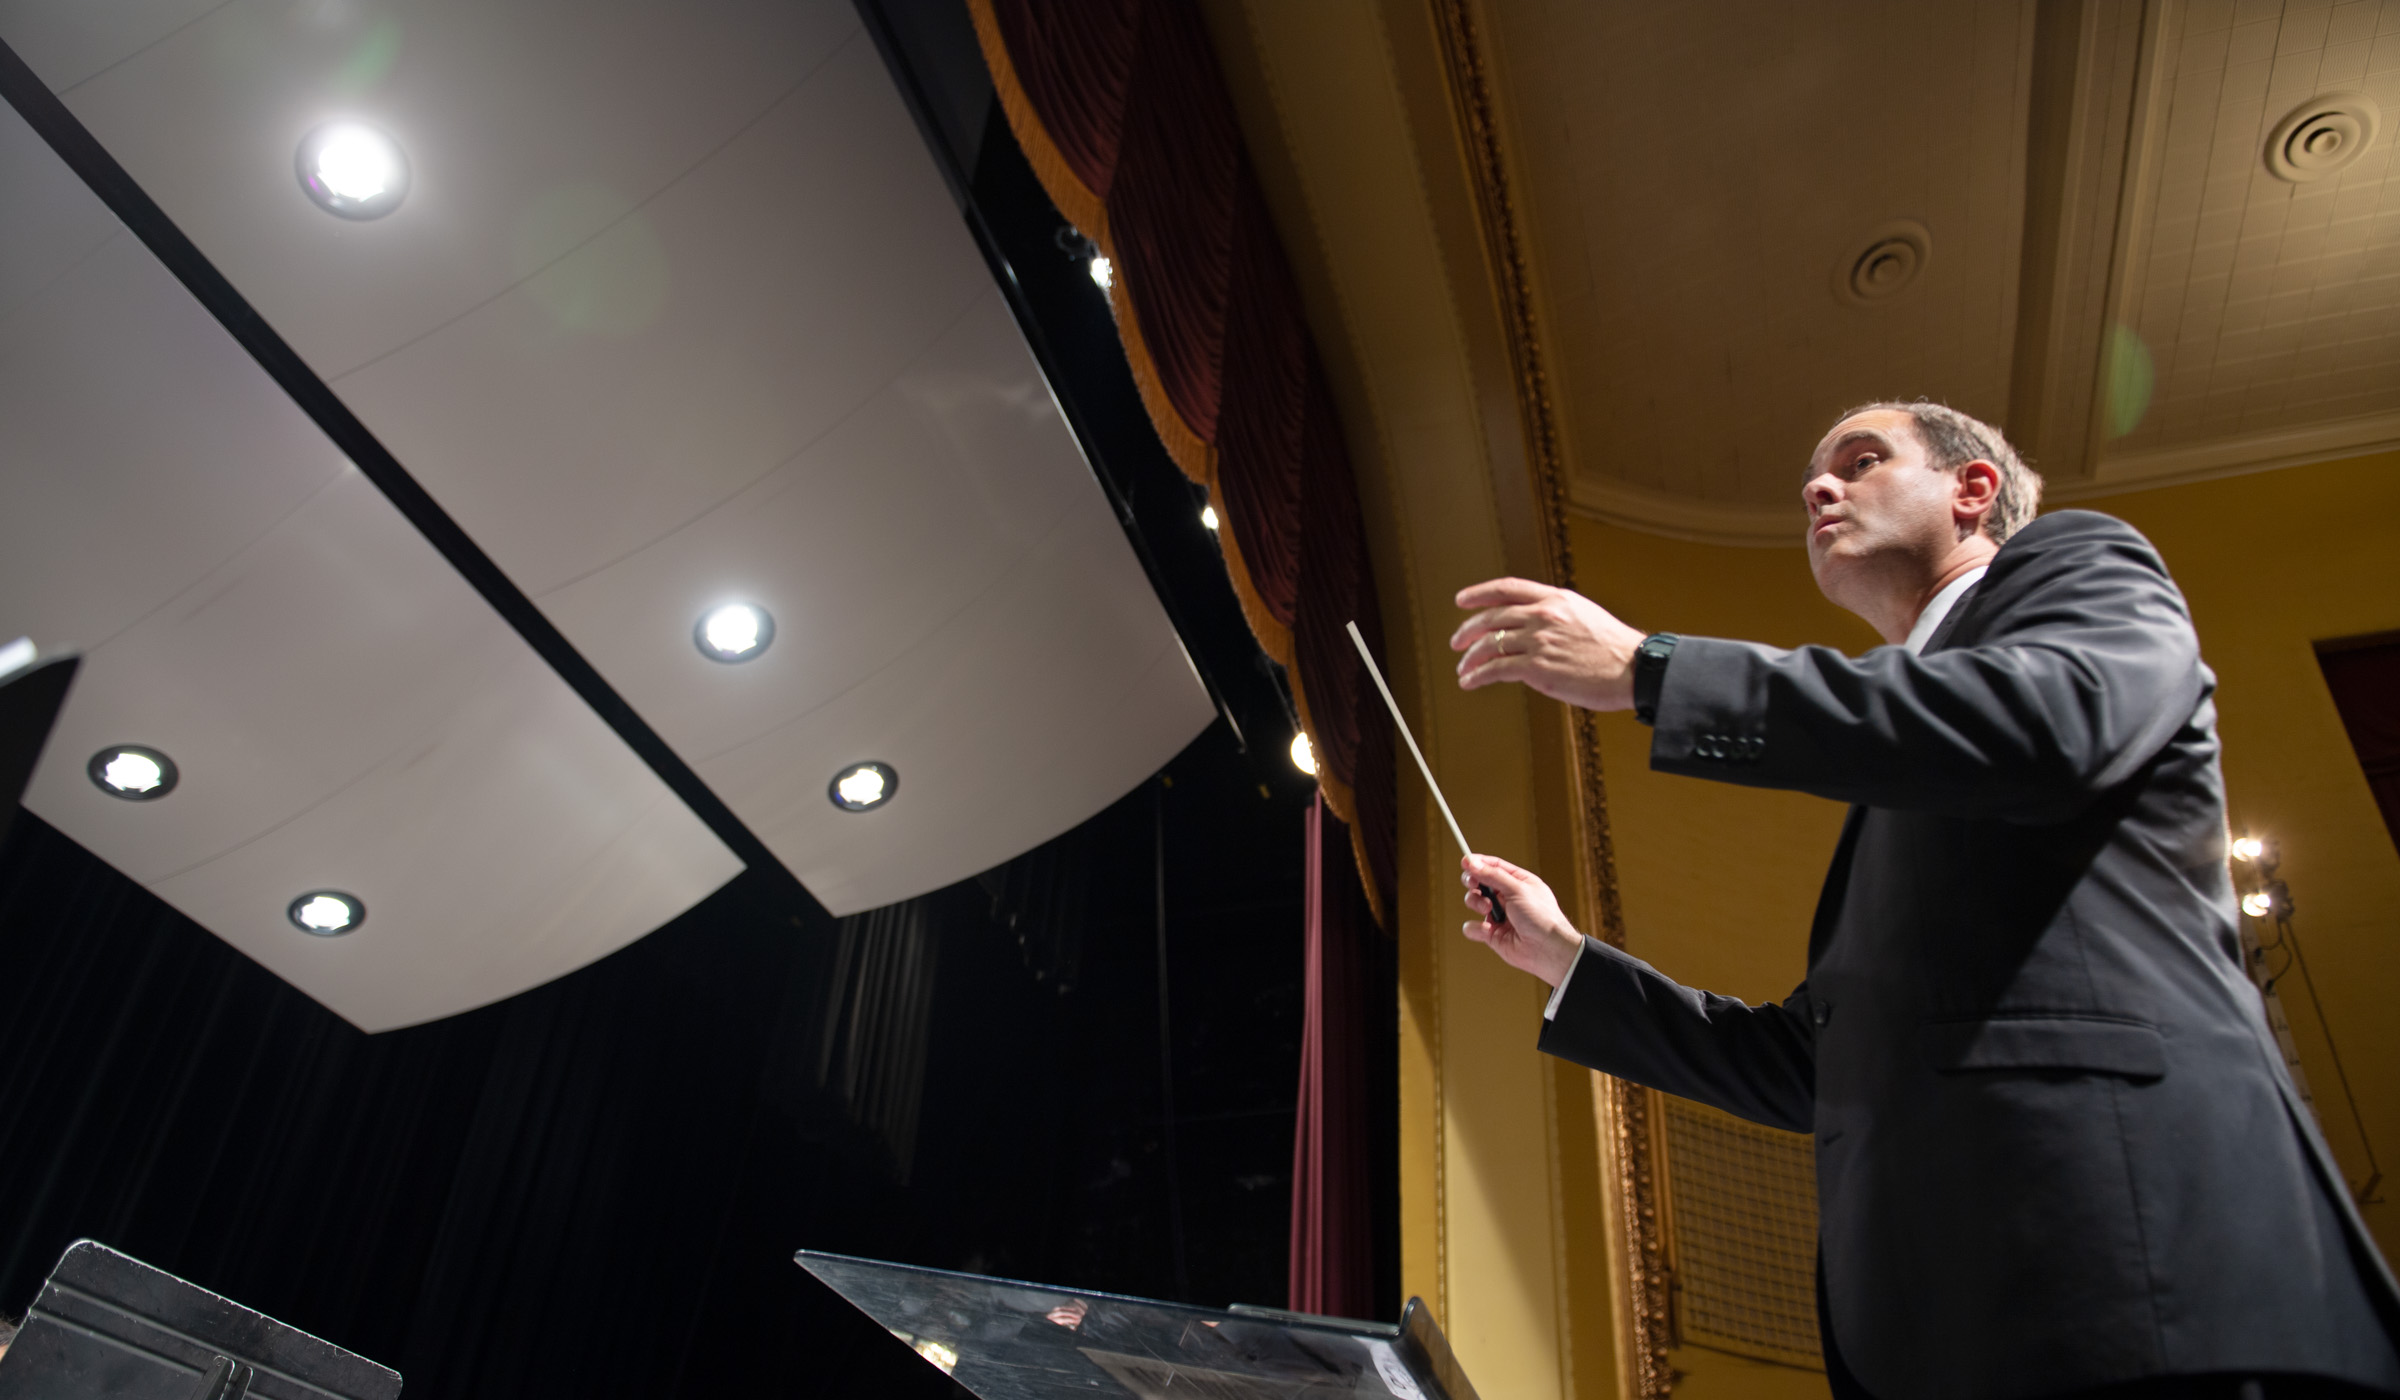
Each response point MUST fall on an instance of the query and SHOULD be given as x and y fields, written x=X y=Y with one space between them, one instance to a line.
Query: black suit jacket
x=2056 y=1144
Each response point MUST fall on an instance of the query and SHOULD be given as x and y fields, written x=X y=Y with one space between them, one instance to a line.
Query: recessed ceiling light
x=326 y=913
x=353 y=170
x=132 y=772
x=863 y=786
x=734 y=632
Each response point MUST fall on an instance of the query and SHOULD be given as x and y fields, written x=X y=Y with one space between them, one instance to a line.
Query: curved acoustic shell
x=675 y=311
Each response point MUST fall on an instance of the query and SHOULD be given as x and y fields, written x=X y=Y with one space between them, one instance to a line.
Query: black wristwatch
x=1650 y=673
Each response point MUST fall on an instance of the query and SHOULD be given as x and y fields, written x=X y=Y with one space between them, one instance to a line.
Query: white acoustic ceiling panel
x=676 y=311
x=344 y=710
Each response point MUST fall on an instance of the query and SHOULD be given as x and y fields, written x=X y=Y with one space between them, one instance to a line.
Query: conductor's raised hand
x=1561 y=643
x=1537 y=937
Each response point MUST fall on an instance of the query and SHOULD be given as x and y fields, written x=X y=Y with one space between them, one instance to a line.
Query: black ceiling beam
x=67 y=136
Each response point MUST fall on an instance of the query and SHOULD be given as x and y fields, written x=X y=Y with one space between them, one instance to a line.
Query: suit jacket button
x=1822 y=1014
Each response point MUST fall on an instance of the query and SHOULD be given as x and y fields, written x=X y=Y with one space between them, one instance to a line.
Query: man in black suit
x=2057 y=1149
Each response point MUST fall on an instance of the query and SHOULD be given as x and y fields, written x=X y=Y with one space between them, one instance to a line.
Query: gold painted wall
x=1718 y=882
x=1503 y=1220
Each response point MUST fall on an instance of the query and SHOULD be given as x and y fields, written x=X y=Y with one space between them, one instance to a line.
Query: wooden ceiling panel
x=2110 y=265
x=2259 y=308
x=1698 y=180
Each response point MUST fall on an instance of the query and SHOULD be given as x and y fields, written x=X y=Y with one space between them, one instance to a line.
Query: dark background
x=595 y=1188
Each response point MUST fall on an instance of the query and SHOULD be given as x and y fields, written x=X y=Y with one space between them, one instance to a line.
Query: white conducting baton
x=1499 y=915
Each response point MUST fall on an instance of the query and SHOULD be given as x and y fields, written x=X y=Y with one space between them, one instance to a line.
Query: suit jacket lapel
x=1837 y=882
x=1837 y=878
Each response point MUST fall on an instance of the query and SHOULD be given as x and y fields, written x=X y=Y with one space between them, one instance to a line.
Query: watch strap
x=1650 y=674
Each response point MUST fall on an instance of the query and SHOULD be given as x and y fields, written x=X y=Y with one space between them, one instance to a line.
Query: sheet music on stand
x=1005 y=1340
x=107 y=1326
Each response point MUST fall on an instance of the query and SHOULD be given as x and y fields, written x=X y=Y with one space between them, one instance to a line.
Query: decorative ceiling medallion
x=2322 y=136
x=1886 y=262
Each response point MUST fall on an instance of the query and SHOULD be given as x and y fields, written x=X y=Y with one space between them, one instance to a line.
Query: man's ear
x=1976 y=492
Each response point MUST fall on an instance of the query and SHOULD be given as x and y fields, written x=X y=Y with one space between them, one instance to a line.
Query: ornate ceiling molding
x=1682 y=518
x=2238 y=456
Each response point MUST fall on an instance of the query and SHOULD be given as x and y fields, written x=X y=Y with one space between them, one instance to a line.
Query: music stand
x=109 y=1325
x=29 y=703
x=1005 y=1340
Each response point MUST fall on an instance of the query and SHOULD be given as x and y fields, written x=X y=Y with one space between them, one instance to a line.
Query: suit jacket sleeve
x=2083 y=664
x=1756 y=1062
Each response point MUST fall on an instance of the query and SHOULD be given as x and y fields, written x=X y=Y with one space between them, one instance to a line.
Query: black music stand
x=1023 y=1341
x=109 y=1327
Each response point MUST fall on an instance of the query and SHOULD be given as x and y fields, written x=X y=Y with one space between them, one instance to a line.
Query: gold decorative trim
x=1462 y=61
x=1627 y=1129
x=1650 y=1293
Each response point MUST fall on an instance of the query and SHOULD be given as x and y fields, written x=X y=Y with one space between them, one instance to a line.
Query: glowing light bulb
x=2258 y=905
x=734 y=632
x=1104 y=274
x=355 y=165
x=353 y=170
x=133 y=772
x=1304 y=755
x=2248 y=848
x=863 y=785
x=1208 y=517
x=327 y=912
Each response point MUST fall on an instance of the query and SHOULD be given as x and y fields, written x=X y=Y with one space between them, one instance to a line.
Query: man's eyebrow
x=1834 y=449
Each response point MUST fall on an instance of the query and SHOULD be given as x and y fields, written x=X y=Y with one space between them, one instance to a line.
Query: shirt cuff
x=1559 y=992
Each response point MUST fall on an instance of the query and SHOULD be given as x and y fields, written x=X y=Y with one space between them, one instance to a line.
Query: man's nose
x=1820 y=491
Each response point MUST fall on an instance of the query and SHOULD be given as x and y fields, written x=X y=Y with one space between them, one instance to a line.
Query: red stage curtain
x=2364 y=676
x=1331 y=1268
x=1123 y=114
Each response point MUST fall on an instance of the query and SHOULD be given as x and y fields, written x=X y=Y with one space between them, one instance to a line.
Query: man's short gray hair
x=1952 y=439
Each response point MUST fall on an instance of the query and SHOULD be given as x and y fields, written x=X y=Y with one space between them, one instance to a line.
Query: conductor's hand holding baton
x=1536 y=937
x=1571 y=649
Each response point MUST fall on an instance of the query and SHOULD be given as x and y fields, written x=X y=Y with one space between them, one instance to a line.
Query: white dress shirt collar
x=1930 y=620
